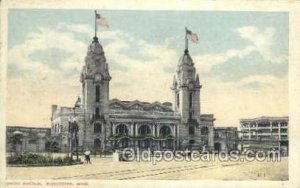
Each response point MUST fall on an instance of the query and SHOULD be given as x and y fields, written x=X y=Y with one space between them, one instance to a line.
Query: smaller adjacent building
x=265 y=133
x=26 y=139
x=225 y=139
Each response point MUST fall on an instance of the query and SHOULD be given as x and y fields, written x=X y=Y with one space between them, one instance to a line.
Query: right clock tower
x=186 y=90
x=186 y=93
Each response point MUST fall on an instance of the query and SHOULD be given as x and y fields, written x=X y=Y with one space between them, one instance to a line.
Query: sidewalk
x=105 y=168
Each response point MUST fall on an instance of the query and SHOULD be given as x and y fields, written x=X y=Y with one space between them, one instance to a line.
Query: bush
x=35 y=159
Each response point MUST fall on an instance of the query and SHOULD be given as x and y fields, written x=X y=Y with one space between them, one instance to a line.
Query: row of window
x=124 y=143
x=138 y=107
x=266 y=124
x=204 y=131
x=145 y=130
x=268 y=131
x=224 y=135
x=57 y=128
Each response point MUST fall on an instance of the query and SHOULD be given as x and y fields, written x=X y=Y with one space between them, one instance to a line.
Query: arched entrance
x=167 y=144
x=191 y=130
x=97 y=144
x=144 y=144
x=217 y=147
x=123 y=143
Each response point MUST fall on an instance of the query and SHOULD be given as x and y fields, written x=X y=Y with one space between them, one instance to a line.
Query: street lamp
x=73 y=129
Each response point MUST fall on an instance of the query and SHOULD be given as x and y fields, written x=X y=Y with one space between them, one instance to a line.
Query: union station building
x=106 y=124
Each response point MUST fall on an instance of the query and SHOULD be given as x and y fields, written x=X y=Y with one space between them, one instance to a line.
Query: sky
x=241 y=58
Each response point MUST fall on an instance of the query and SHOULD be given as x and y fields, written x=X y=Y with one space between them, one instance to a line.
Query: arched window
x=144 y=130
x=97 y=93
x=122 y=129
x=204 y=131
x=97 y=128
x=190 y=115
x=97 y=113
x=191 y=100
x=191 y=130
x=217 y=147
x=177 y=99
x=97 y=144
x=165 y=131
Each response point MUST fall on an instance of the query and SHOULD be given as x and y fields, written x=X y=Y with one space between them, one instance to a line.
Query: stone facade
x=225 y=139
x=106 y=124
x=26 y=139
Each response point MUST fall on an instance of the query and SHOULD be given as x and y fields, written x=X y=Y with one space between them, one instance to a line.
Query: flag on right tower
x=192 y=36
x=101 y=20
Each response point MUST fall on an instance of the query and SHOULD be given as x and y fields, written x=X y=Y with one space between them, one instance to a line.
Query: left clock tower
x=95 y=80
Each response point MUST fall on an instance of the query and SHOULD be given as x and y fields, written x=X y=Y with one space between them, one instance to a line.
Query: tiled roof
x=139 y=105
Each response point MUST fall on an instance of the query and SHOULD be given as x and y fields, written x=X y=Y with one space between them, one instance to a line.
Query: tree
x=52 y=146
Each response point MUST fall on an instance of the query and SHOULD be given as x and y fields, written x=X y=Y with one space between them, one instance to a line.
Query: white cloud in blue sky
x=242 y=54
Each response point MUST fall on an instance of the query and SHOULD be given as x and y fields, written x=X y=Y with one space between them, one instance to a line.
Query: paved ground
x=105 y=168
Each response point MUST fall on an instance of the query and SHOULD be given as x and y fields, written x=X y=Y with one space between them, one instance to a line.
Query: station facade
x=105 y=124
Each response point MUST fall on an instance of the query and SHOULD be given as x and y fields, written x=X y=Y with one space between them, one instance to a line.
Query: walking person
x=87 y=154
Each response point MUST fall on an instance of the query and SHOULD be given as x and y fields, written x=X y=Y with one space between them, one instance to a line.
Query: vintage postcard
x=198 y=91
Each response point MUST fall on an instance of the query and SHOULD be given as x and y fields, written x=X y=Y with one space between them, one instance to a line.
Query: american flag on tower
x=192 y=36
x=101 y=20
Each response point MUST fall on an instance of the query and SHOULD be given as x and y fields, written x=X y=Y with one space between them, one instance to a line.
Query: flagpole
x=95 y=23
x=186 y=42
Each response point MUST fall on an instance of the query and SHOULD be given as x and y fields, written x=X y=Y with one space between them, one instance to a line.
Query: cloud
x=207 y=61
x=40 y=85
x=79 y=28
x=266 y=80
x=231 y=101
x=261 y=41
x=45 y=39
x=34 y=84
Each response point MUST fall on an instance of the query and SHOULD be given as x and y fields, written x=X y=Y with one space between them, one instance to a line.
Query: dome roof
x=95 y=61
x=95 y=47
x=185 y=59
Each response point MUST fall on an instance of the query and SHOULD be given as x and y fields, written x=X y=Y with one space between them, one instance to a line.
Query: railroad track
x=130 y=174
